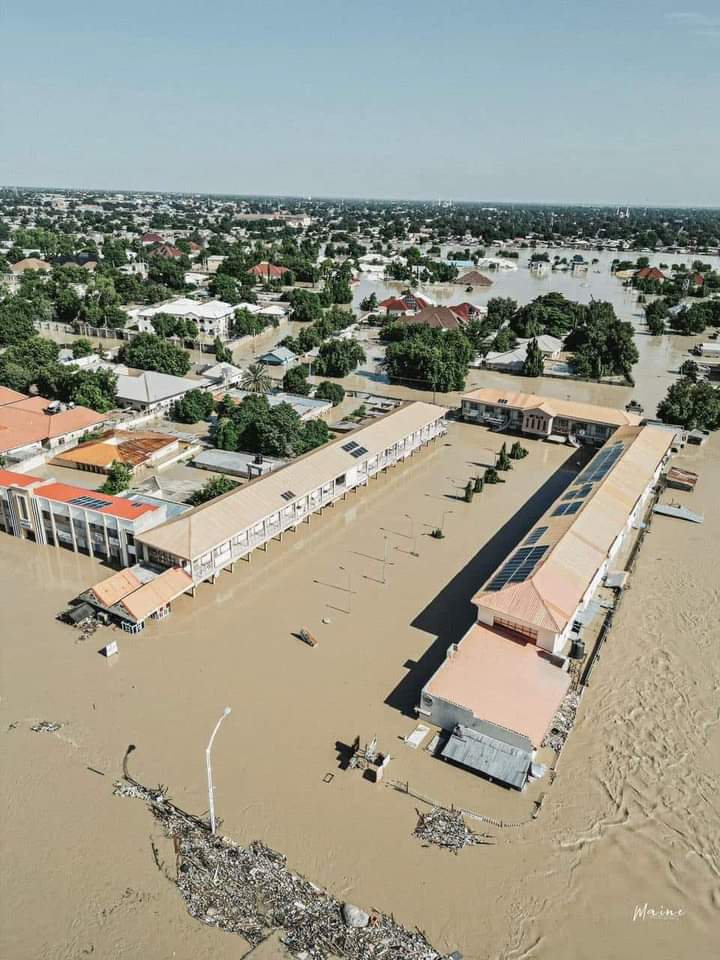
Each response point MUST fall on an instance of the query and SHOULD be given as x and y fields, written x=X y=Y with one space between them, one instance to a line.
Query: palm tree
x=256 y=379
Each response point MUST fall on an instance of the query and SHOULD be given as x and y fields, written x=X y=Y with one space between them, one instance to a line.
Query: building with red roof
x=32 y=425
x=268 y=271
x=650 y=273
x=405 y=304
x=169 y=251
x=82 y=520
x=149 y=238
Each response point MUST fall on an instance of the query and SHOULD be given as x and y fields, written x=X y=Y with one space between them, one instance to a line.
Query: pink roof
x=10 y=396
x=117 y=506
x=265 y=269
x=502 y=679
x=10 y=478
x=26 y=421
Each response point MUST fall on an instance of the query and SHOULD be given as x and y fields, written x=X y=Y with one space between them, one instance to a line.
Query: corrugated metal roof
x=213 y=523
x=489 y=756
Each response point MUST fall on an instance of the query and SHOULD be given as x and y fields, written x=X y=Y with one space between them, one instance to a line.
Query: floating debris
x=250 y=891
x=447 y=828
x=562 y=722
x=45 y=726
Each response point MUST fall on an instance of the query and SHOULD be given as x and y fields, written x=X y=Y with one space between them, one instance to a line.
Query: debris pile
x=447 y=828
x=562 y=722
x=45 y=726
x=251 y=892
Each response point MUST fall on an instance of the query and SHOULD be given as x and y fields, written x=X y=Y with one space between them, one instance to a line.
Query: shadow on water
x=451 y=613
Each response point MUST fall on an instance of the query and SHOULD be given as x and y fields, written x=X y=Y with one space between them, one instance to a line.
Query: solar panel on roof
x=535 y=536
x=94 y=503
x=288 y=495
x=578 y=493
x=518 y=568
x=349 y=446
x=359 y=452
x=567 y=508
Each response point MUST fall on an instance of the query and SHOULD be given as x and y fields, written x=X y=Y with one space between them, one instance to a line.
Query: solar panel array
x=535 y=536
x=579 y=494
x=94 y=503
x=350 y=446
x=567 y=508
x=518 y=568
x=361 y=451
x=288 y=495
x=600 y=466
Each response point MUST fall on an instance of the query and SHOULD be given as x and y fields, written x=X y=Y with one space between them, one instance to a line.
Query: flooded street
x=635 y=797
x=659 y=356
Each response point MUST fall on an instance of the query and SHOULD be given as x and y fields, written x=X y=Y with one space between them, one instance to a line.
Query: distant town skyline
x=559 y=104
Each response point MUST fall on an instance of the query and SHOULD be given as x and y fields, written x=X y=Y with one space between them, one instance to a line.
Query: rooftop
x=91 y=500
x=211 y=524
x=543 y=581
x=152 y=387
x=129 y=447
x=28 y=420
x=557 y=408
x=503 y=680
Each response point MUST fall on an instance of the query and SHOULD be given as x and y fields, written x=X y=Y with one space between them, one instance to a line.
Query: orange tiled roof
x=26 y=421
x=131 y=448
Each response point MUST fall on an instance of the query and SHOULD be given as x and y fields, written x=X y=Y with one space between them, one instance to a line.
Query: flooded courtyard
x=635 y=796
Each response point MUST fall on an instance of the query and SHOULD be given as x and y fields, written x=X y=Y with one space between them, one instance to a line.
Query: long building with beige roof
x=539 y=416
x=210 y=538
x=500 y=686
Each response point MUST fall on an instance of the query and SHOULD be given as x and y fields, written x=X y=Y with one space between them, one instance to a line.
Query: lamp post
x=349 y=587
x=385 y=556
x=211 y=790
x=442 y=522
x=413 y=534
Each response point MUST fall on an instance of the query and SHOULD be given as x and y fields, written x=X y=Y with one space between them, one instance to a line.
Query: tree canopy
x=194 y=406
x=692 y=405
x=148 y=351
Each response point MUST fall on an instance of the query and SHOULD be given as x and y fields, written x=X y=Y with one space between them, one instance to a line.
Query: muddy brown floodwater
x=632 y=817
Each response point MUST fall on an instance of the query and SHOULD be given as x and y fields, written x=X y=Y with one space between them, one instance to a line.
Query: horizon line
x=324 y=198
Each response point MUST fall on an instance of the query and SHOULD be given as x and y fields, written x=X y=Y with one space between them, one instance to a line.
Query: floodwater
x=632 y=817
x=659 y=356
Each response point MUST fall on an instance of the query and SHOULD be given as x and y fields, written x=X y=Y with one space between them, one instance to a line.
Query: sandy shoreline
x=635 y=798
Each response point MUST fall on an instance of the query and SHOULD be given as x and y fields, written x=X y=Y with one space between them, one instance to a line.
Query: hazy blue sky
x=560 y=100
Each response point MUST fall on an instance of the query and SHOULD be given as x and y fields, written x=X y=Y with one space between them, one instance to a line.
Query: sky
x=559 y=101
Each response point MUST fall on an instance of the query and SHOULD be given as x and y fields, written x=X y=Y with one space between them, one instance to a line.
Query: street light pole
x=349 y=588
x=412 y=534
x=211 y=788
x=442 y=522
x=385 y=556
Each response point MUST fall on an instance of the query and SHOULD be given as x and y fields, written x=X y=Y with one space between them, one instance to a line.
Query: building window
x=515 y=627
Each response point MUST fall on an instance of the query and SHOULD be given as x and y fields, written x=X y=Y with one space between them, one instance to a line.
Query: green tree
x=225 y=434
x=692 y=405
x=690 y=369
x=533 y=365
x=224 y=287
x=118 y=478
x=194 y=406
x=23 y=363
x=369 y=303
x=500 y=310
x=314 y=434
x=327 y=390
x=306 y=306
x=82 y=347
x=16 y=321
x=147 y=351
x=337 y=358
x=256 y=379
x=222 y=354
x=215 y=487
x=296 y=381
x=246 y=324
